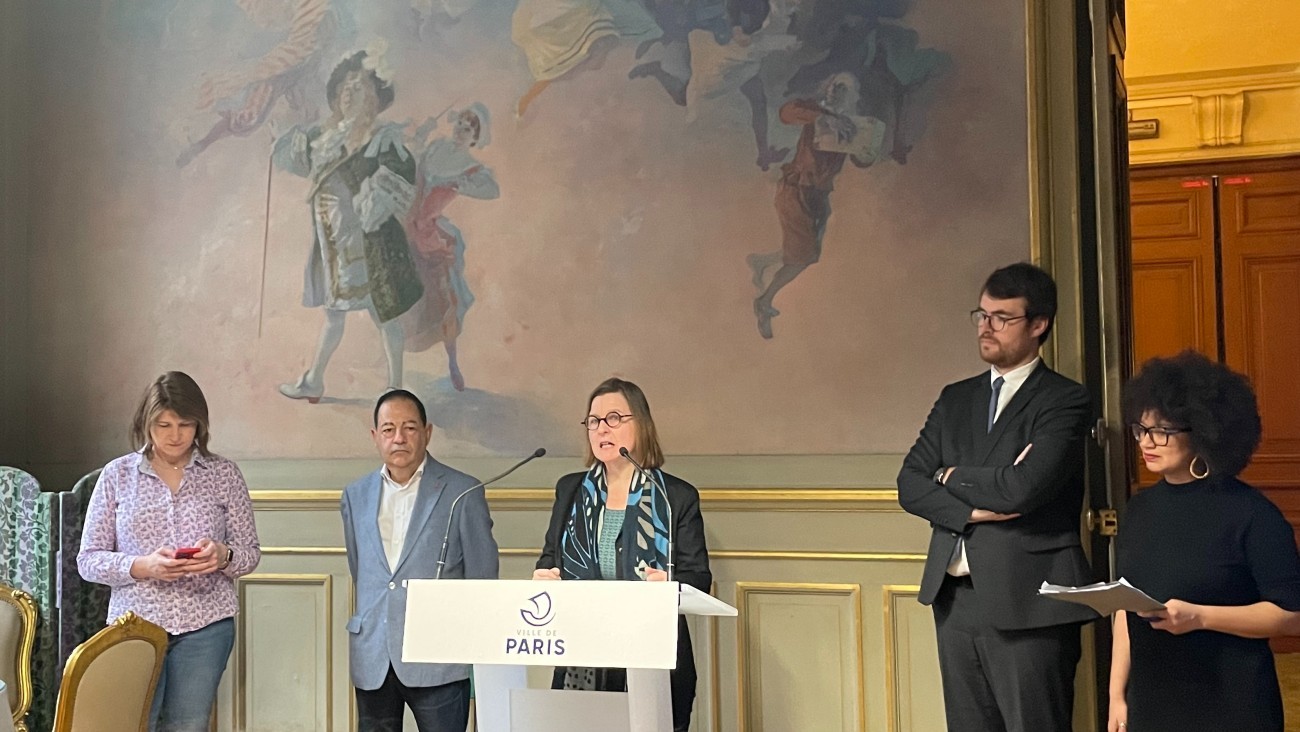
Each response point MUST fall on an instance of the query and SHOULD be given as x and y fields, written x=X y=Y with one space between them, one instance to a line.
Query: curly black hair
x=1215 y=404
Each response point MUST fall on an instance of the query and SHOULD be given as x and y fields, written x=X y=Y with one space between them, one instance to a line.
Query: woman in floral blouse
x=169 y=528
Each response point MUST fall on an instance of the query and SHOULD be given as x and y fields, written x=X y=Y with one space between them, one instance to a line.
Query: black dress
x=1209 y=542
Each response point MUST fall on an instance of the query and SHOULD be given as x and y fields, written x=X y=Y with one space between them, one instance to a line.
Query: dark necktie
x=993 y=401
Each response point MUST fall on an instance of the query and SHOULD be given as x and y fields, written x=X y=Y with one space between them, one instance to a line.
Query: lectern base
x=505 y=704
x=545 y=710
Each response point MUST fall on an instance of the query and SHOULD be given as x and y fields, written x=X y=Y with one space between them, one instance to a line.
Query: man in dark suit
x=998 y=472
x=393 y=524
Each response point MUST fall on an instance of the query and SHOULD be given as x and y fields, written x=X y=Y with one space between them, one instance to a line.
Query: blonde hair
x=174 y=390
x=647 y=451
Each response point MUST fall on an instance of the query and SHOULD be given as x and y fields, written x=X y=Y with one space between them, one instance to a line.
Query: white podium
x=503 y=626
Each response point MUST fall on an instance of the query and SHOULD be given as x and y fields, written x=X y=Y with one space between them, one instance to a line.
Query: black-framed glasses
x=996 y=321
x=1159 y=435
x=613 y=419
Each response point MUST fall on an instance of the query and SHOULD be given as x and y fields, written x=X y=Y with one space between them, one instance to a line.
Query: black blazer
x=691 y=567
x=1008 y=559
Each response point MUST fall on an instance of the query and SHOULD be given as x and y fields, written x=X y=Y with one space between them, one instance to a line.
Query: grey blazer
x=375 y=633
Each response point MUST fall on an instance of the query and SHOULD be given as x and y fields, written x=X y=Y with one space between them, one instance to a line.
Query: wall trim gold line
x=821 y=556
x=715 y=674
x=893 y=705
x=715 y=554
x=766 y=554
x=298 y=551
x=744 y=589
x=712 y=499
x=324 y=581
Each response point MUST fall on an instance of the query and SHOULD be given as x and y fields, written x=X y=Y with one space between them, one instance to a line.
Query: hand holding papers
x=1104 y=597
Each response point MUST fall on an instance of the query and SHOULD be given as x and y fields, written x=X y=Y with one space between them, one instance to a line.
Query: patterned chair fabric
x=17 y=636
x=109 y=681
x=83 y=606
x=27 y=563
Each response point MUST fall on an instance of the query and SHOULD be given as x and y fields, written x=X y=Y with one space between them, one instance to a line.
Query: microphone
x=664 y=491
x=451 y=514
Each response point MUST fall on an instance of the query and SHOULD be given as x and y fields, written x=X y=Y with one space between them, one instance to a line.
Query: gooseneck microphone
x=451 y=514
x=663 y=491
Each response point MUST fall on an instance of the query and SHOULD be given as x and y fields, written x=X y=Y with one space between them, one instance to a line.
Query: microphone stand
x=451 y=514
x=664 y=492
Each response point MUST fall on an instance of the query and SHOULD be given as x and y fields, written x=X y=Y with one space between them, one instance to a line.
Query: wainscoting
x=829 y=635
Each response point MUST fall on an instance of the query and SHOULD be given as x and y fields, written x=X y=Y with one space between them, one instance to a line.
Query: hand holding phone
x=186 y=552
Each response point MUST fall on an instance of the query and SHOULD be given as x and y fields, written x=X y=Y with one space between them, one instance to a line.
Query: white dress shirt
x=1011 y=383
x=395 y=507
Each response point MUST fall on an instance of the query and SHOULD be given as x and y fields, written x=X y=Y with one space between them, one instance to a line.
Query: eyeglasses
x=995 y=320
x=613 y=419
x=1159 y=435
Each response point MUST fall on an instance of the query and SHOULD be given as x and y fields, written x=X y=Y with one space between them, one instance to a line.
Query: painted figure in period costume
x=702 y=63
x=560 y=37
x=892 y=70
x=363 y=185
x=446 y=171
x=803 y=196
x=243 y=100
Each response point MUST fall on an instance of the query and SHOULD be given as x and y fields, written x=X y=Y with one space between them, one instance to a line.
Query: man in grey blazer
x=393 y=525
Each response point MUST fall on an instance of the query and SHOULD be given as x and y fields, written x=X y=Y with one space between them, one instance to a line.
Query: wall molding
x=866 y=500
x=762 y=555
x=745 y=637
x=242 y=653
x=894 y=707
x=1206 y=115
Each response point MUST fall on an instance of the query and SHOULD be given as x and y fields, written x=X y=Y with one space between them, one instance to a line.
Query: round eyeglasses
x=1159 y=435
x=613 y=419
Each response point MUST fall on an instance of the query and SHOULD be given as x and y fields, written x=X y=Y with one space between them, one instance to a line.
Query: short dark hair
x=177 y=391
x=1023 y=279
x=384 y=93
x=392 y=394
x=647 y=452
x=1215 y=404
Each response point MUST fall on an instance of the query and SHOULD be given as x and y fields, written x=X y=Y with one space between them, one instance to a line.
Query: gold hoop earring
x=1192 y=468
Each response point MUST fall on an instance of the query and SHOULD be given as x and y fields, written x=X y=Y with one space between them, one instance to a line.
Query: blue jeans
x=187 y=686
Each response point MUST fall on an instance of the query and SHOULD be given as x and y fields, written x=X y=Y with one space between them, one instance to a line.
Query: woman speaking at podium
x=1215 y=551
x=612 y=523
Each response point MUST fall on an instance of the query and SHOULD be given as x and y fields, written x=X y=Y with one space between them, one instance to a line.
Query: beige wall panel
x=301 y=528
x=854 y=531
x=284 y=658
x=519 y=528
x=782 y=685
x=911 y=666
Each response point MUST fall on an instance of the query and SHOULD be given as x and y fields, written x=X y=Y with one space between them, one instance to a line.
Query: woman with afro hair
x=1215 y=551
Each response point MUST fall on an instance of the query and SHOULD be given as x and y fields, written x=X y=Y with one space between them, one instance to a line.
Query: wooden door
x=1260 y=233
x=1175 y=305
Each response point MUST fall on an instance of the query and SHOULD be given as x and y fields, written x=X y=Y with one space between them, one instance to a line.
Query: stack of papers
x=1104 y=597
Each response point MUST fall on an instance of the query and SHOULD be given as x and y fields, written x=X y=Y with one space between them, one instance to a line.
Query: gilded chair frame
x=26 y=606
x=128 y=627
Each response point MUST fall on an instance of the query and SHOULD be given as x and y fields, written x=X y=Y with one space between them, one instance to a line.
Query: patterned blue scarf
x=645 y=532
